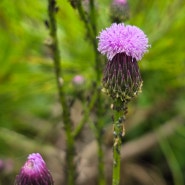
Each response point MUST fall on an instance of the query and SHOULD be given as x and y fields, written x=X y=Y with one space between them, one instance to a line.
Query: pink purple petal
x=120 y=38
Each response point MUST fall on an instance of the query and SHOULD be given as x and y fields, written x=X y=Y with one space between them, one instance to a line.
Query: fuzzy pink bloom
x=78 y=80
x=120 y=1
x=120 y=38
x=34 y=172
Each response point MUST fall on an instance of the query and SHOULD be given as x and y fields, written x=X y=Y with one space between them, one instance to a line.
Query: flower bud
x=34 y=172
x=119 y=11
x=122 y=77
x=78 y=80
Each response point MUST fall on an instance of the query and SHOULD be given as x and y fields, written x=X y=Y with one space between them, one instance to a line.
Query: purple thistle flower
x=123 y=46
x=34 y=172
x=123 y=39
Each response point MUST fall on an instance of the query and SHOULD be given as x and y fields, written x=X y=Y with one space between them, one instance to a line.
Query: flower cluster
x=124 y=46
x=34 y=172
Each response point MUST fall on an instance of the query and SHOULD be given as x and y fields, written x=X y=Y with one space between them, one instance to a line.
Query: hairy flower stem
x=99 y=124
x=70 y=176
x=120 y=110
x=101 y=169
x=85 y=20
x=90 y=25
x=99 y=137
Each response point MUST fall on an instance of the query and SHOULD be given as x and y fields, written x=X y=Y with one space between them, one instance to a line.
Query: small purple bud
x=119 y=10
x=78 y=80
x=34 y=172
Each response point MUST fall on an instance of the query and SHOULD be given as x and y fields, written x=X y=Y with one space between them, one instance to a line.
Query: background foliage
x=29 y=113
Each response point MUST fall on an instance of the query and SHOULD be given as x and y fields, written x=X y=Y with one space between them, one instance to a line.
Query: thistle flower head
x=123 y=39
x=123 y=46
x=34 y=172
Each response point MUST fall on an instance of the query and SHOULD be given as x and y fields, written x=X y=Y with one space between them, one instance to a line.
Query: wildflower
x=119 y=10
x=124 y=46
x=78 y=80
x=34 y=172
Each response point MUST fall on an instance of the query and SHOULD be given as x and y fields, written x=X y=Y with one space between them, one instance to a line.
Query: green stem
x=93 y=21
x=90 y=24
x=93 y=15
x=85 y=20
x=101 y=178
x=101 y=168
x=99 y=136
x=62 y=97
x=172 y=162
x=120 y=109
x=86 y=115
x=99 y=124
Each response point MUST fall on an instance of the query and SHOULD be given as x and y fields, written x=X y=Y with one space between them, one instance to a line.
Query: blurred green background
x=29 y=112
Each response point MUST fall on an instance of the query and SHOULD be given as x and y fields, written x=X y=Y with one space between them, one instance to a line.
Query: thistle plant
x=54 y=46
x=124 y=46
x=72 y=133
x=87 y=12
x=34 y=172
